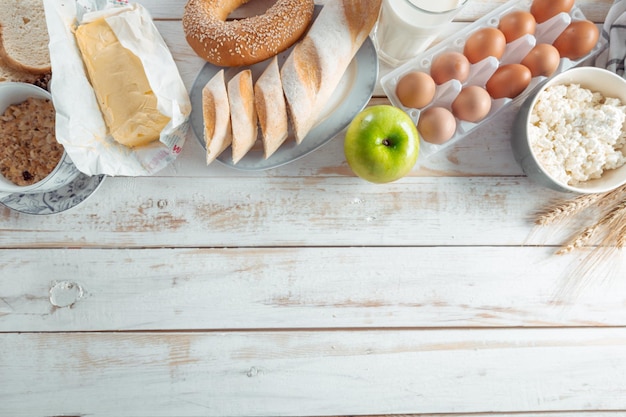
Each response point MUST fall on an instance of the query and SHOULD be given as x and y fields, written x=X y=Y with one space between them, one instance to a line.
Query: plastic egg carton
x=480 y=72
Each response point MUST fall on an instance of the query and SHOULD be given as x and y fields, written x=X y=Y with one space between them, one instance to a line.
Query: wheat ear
x=566 y=209
x=580 y=239
x=613 y=223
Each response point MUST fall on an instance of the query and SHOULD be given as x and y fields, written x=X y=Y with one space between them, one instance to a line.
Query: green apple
x=381 y=144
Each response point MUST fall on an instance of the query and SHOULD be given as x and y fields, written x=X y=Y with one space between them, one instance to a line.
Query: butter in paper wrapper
x=80 y=125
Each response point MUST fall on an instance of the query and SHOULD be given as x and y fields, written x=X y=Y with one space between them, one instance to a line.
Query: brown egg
x=516 y=24
x=450 y=66
x=436 y=125
x=472 y=104
x=415 y=89
x=577 y=40
x=483 y=43
x=542 y=60
x=508 y=81
x=545 y=9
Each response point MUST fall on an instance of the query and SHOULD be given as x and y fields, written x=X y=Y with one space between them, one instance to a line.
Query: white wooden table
x=303 y=290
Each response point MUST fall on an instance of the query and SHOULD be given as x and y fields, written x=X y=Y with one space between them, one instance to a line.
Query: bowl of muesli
x=570 y=134
x=31 y=159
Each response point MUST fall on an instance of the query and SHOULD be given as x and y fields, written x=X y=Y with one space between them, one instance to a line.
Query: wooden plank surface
x=319 y=373
x=296 y=211
x=304 y=291
x=297 y=288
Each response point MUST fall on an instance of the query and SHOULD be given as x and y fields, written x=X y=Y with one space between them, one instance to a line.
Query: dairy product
x=126 y=100
x=407 y=27
x=576 y=134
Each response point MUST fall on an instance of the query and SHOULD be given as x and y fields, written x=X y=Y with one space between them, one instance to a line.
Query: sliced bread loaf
x=216 y=114
x=242 y=113
x=8 y=73
x=271 y=108
x=316 y=65
x=24 y=36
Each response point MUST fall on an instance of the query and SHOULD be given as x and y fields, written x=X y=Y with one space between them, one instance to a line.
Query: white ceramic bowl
x=592 y=78
x=65 y=171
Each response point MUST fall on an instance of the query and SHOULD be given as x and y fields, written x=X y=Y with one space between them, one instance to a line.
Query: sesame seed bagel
x=243 y=41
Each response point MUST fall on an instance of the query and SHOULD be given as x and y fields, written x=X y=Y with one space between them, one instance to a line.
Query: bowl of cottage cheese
x=570 y=134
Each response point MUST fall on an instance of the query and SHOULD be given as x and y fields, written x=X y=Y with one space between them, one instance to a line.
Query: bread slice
x=242 y=113
x=24 y=36
x=271 y=108
x=316 y=65
x=216 y=115
x=8 y=73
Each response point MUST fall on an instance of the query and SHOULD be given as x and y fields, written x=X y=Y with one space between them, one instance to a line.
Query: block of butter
x=118 y=78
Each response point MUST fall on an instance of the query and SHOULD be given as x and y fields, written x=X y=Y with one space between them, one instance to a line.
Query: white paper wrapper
x=80 y=126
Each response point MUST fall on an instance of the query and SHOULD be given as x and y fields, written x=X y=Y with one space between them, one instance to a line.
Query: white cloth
x=614 y=31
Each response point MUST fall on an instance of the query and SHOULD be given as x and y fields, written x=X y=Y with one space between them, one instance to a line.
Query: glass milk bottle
x=407 y=27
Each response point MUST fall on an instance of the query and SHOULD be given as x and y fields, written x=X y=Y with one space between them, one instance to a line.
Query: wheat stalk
x=611 y=196
x=612 y=223
x=580 y=239
x=620 y=240
x=616 y=233
x=565 y=210
x=606 y=236
x=609 y=235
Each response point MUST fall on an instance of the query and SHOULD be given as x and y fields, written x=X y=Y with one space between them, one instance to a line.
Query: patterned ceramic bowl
x=63 y=173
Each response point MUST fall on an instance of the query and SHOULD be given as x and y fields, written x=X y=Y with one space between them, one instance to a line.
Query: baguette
x=242 y=114
x=316 y=65
x=24 y=36
x=216 y=115
x=271 y=108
